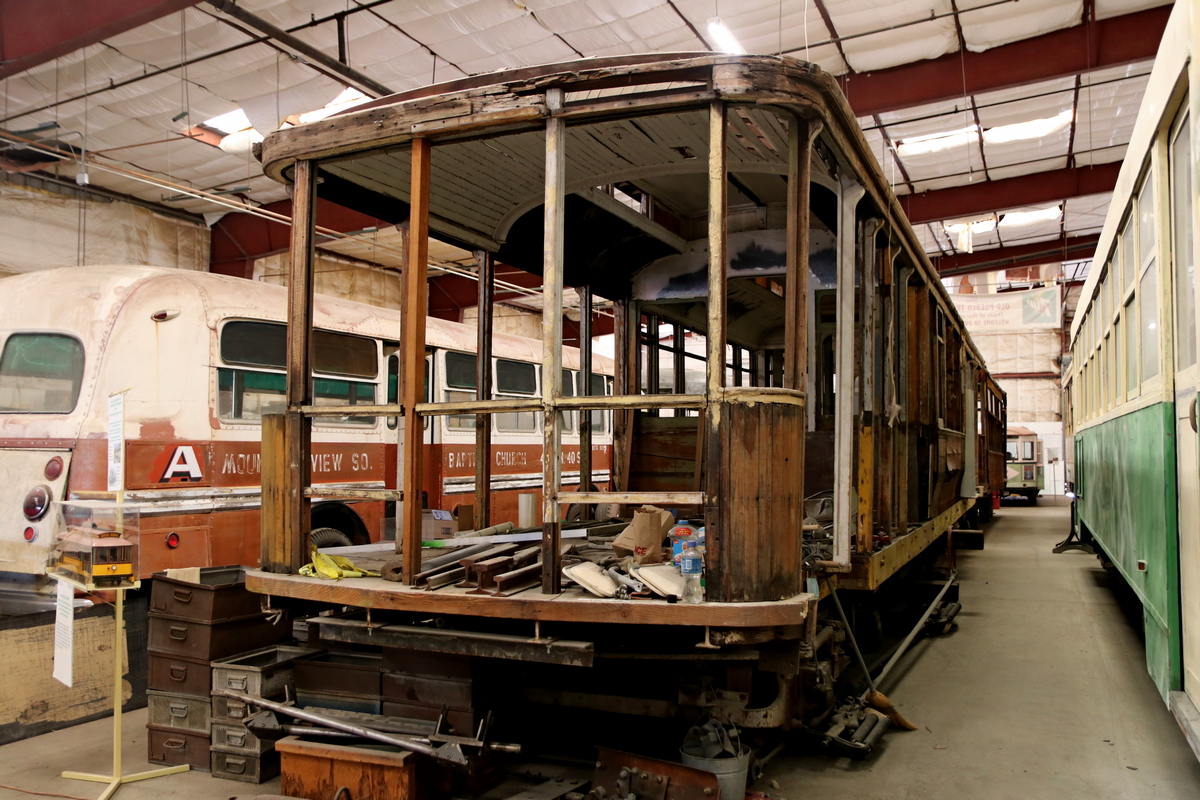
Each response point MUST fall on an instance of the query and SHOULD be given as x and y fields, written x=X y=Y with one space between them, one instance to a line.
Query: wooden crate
x=315 y=770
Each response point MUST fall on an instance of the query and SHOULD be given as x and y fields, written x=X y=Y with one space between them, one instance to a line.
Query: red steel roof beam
x=32 y=33
x=1025 y=190
x=1108 y=42
x=1072 y=248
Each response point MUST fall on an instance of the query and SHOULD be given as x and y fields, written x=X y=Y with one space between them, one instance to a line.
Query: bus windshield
x=40 y=373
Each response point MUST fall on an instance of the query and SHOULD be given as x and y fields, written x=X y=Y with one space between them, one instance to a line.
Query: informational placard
x=1033 y=308
x=64 y=633
x=116 y=442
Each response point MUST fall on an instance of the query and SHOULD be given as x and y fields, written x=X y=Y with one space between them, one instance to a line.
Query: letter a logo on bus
x=183 y=464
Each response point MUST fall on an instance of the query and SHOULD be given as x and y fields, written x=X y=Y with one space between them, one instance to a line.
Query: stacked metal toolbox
x=340 y=679
x=192 y=623
x=236 y=752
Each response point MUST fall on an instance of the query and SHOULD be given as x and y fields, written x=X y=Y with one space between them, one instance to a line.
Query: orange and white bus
x=200 y=358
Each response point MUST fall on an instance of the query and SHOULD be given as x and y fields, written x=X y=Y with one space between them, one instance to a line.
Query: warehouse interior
x=935 y=536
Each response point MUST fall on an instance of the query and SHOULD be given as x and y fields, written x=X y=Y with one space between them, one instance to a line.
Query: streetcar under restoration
x=783 y=348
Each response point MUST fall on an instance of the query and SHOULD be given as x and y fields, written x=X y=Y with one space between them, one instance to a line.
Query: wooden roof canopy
x=634 y=118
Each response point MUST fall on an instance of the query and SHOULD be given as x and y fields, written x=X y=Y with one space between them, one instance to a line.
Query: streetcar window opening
x=1012 y=451
x=1148 y=290
x=40 y=373
x=1027 y=451
x=1181 y=235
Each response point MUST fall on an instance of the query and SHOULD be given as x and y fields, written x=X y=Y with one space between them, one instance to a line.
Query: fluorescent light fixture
x=1017 y=219
x=936 y=142
x=726 y=41
x=1033 y=129
x=349 y=98
x=232 y=122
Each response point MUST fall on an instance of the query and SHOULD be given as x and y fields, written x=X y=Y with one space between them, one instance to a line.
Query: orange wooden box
x=316 y=770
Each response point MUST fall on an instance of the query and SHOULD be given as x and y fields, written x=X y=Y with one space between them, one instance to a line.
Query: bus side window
x=393 y=387
x=516 y=379
x=460 y=387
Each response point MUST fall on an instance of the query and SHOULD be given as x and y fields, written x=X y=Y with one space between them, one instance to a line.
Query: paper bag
x=643 y=538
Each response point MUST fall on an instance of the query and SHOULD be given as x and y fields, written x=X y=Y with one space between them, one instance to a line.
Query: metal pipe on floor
x=908 y=640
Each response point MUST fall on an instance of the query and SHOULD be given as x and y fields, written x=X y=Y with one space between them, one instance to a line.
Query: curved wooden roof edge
x=514 y=100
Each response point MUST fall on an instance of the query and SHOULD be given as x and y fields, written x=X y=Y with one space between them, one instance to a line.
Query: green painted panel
x=1125 y=478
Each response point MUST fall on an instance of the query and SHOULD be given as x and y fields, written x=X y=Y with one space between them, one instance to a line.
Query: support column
x=296 y=519
x=625 y=383
x=552 y=291
x=801 y=133
x=715 y=336
x=483 y=389
x=585 y=375
x=412 y=355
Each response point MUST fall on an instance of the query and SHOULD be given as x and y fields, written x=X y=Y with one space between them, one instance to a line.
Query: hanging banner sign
x=1034 y=308
x=64 y=633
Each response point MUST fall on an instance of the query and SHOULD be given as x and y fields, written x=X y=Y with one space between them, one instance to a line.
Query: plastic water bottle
x=692 y=566
x=680 y=533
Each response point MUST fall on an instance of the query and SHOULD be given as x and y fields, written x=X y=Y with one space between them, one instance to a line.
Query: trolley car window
x=1131 y=347
x=1181 y=239
x=1027 y=451
x=1149 y=307
x=1128 y=267
x=1145 y=207
x=40 y=373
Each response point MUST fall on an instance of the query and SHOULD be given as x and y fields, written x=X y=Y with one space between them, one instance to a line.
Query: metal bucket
x=731 y=772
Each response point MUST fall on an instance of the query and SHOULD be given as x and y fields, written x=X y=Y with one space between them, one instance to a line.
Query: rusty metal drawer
x=206 y=641
x=220 y=594
x=231 y=738
x=172 y=746
x=339 y=671
x=260 y=672
x=425 y=690
x=229 y=710
x=181 y=711
x=179 y=675
x=237 y=766
x=341 y=701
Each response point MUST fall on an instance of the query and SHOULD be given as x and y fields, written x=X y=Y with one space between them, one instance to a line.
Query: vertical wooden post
x=295 y=520
x=412 y=351
x=483 y=389
x=552 y=291
x=585 y=375
x=623 y=316
x=801 y=133
x=715 y=337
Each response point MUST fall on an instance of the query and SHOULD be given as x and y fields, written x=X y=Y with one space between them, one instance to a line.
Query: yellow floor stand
x=115 y=780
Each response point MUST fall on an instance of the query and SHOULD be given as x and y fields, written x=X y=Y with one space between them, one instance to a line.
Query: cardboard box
x=437 y=524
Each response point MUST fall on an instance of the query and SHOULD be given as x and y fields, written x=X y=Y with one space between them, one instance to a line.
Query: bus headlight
x=36 y=503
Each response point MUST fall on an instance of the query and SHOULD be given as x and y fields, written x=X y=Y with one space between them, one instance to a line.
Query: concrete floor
x=1041 y=693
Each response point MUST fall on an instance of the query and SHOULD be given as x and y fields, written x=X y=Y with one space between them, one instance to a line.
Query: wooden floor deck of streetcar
x=572 y=605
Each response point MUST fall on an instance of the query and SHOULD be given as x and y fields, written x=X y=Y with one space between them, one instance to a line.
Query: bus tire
x=329 y=537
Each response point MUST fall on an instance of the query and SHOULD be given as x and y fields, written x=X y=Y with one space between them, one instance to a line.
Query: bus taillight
x=30 y=534
x=36 y=502
x=54 y=468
